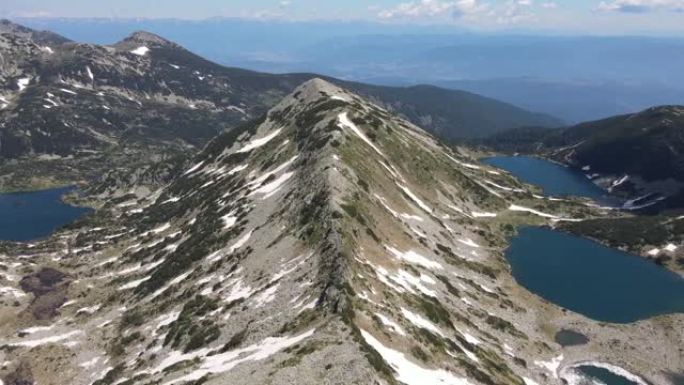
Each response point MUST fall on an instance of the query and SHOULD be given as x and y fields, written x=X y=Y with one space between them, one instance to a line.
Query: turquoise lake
x=554 y=179
x=32 y=215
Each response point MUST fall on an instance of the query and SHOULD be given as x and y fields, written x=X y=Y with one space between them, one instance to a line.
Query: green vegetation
x=298 y=352
x=452 y=290
x=477 y=267
x=311 y=215
x=234 y=341
x=505 y=326
x=303 y=321
x=190 y=328
x=433 y=309
x=111 y=376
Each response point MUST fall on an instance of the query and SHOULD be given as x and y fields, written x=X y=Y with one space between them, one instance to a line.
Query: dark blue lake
x=554 y=179
x=591 y=279
x=31 y=215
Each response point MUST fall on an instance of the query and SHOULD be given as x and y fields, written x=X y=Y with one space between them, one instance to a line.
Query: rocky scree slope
x=93 y=109
x=325 y=242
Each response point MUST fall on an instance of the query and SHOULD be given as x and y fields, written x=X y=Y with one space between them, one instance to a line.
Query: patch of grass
x=299 y=353
x=451 y=288
x=505 y=326
x=304 y=319
x=354 y=211
x=420 y=354
x=234 y=341
x=434 y=310
x=186 y=327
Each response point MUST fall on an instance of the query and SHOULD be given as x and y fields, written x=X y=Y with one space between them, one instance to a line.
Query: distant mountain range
x=98 y=105
x=639 y=155
x=574 y=78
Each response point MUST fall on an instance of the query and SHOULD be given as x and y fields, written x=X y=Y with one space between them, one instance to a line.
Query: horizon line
x=441 y=28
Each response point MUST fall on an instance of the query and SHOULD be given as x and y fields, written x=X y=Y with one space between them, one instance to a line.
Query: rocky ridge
x=327 y=241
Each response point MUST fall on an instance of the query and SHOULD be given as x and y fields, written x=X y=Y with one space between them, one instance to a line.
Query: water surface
x=32 y=215
x=554 y=179
x=591 y=279
x=605 y=376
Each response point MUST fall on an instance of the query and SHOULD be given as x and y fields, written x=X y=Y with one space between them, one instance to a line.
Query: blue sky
x=573 y=16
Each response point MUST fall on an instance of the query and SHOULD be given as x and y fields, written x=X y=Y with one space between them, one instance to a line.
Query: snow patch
x=413 y=257
x=532 y=211
x=140 y=51
x=229 y=220
x=266 y=296
x=271 y=188
x=223 y=362
x=468 y=242
x=256 y=143
x=47 y=340
x=340 y=98
x=551 y=366
x=345 y=122
x=133 y=284
x=415 y=198
x=408 y=372
x=483 y=214
x=23 y=83
x=194 y=168
x=391 y=324
x=421 y=322
x=90 y=73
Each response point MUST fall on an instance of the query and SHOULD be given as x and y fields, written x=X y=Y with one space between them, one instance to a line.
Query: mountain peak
x=147 y=38
x=38 y=37
x=318 y=84
x=10 y=26
x=315 y=88
x=663 y=110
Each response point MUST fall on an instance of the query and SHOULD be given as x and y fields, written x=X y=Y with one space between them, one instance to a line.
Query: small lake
x=554 y=179
x=32 y=215
x=591 y=279
x=604 y=376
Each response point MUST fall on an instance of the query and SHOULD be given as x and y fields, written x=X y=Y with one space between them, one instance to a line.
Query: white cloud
x=433 y=9
x=642 y=6
x=549 y=5
x=506 y=12
x=515 y=12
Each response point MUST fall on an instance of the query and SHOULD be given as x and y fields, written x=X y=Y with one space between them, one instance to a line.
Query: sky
x=572 y=16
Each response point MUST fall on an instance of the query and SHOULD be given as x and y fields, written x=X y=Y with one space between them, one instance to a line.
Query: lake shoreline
x=590 y=191
x=35 y=215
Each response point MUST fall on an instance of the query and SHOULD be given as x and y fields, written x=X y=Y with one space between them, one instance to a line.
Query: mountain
x=88 y=108
x=39 y=37
x=575 y=101
x=639 y=154
x=453 y=115
x=328 y=241
x=574 y=78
